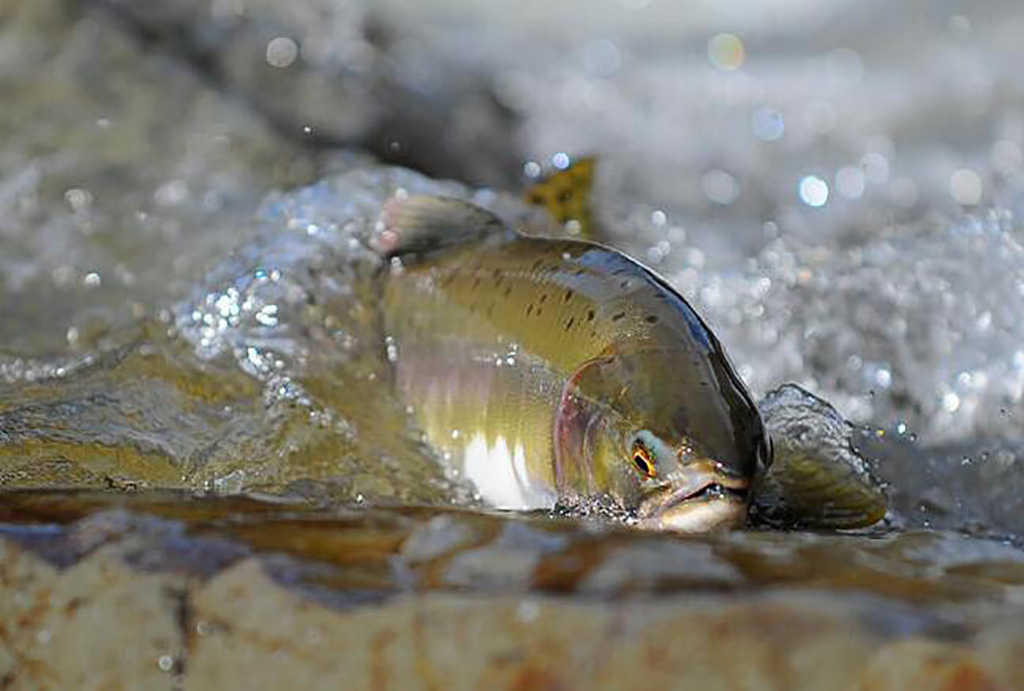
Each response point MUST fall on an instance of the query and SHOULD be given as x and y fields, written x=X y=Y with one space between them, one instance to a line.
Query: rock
x=121 y=172
x=341 y=74
x=816 y=479
x=280 y=595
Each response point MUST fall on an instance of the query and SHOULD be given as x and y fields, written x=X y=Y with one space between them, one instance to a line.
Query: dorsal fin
x=427 y=224
x=565 y=194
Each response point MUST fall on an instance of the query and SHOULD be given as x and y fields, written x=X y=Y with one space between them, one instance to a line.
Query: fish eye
x=643 y=460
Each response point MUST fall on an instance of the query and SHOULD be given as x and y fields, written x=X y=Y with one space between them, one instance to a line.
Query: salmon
x=561 y=373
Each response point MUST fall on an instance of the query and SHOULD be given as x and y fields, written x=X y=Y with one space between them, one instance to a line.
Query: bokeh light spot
x=813 y=191
x=726 y=51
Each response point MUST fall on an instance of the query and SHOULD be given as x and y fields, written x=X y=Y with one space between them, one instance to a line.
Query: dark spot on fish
x=537 y=264
x=568 y=296
x=568 y=324
x=651 y=319
x=508 y=290
x=529 y=309
x=590 y=316
x=565 y=196
x=620 y=271
x=624 y=284
x=579 y=272
x=543 y=298
x=536 y=198
x=617 y=316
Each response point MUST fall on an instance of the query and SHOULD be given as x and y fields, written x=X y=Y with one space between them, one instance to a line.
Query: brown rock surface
x=113 y=591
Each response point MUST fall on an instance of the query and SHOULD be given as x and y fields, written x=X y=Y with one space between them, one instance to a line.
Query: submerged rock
x=240 y=592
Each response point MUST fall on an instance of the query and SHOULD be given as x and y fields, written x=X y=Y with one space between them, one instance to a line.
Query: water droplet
x=726 y=52
x=80 y=200
x=171 y=192
x=813 y=191
x=720 y=187
x=767 y=124
x=850 y=182
x=165 y=663
x=876 y=167
x=965 y=186
x=951 y=402
x=281 y=52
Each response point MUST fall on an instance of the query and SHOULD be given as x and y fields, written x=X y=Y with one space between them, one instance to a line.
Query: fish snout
x=701 y=496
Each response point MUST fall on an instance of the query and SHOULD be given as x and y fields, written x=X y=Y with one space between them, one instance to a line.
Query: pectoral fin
x=425 y=224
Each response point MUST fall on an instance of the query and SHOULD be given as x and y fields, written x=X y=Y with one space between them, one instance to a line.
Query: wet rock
x=268 y=606
x=97 y=624
x=817 y=479
x=121 y=171
x=333 y=74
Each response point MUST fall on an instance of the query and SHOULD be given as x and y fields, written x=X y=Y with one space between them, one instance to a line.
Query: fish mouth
x=702 y=498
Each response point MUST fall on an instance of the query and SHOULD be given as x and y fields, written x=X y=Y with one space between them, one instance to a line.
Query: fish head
x=673 y=440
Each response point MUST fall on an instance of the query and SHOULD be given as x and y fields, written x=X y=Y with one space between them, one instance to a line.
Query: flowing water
x=187 y=301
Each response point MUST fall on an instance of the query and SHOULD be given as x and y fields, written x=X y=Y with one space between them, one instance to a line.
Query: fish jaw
x=700 y=499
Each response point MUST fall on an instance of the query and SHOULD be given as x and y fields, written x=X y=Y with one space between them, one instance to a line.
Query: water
x=187 y=299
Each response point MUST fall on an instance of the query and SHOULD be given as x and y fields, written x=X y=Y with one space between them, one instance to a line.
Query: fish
x=562 y=374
